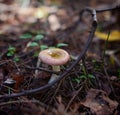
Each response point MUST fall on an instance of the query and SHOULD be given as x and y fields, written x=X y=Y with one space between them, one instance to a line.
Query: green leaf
x=9 y=54
x=39 y=37
x=83 y=77
x=33 y=44
x=11 y=48
x=16 y=59
x=42 y=47
x=94 y=61
x=76 y=80
x=11 y=51
x=36 y=54
x=61 y=44
x=26 y=36
x=91 y=76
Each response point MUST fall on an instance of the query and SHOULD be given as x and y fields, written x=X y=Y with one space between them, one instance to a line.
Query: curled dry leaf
x=99 y=103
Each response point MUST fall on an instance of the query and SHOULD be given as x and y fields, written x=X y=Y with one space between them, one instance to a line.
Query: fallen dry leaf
x=99 y=103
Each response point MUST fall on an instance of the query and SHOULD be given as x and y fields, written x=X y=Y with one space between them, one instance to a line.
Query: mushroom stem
x=54 y=76
x=37 y=65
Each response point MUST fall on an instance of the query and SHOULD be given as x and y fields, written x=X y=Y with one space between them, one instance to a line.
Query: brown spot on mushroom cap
x=54 y=56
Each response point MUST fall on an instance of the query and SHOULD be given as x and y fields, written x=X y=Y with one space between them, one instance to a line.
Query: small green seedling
x=16 y=59
x=83 y=77
x=97 y=65
x=39 y=37
x=11 y=51
x=43 y=47
x=33 y=44
x=26 y=36
x=61 y=45
x=36 y=54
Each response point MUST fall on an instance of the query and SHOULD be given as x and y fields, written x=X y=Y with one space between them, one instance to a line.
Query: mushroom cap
x=54 y=56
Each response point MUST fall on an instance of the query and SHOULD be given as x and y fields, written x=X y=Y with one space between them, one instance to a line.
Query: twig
x=111 y=8
x=106 y=44
x=39 y=68
x=107 y=76
x=76 y=93
x=4 y=62
x=56 y=90
x=21 y=101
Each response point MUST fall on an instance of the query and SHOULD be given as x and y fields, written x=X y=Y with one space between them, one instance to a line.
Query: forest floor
x=92 y=85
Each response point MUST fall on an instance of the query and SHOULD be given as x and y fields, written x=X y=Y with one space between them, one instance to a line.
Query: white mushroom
x=54 y=57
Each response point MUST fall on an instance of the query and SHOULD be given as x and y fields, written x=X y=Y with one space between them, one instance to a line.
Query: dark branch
x=117 y=7
x=39 y=68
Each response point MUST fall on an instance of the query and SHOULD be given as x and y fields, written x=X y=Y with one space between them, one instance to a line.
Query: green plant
x=39 y=37
x=86 y=75
x=98 y=66
x=36 y=41
x=42 y=47
x=61 y=45
x=83 y=77
x=11 y=51
x=16 y=59
x=90 y=76
x=26 y=36
x=33 y=44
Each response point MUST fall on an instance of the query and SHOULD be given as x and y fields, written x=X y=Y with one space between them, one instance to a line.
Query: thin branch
x=111 y=8
x=39 y=68
x=75 y=95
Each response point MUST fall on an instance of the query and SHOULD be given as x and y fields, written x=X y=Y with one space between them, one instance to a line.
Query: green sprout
x=16 y=59
x=83 y=77
x=42 y=47
x=11 y=51
x=33 y=44
x=39 y=37
x=26 y=36
x=61 y=45
x=36 y=54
